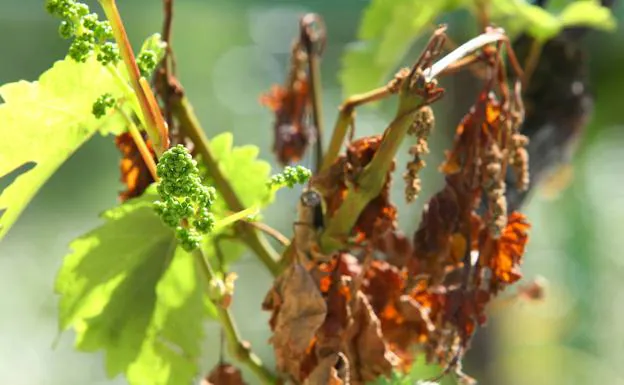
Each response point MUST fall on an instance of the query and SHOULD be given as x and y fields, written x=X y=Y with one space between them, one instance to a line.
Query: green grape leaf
x=389 y=28
x=43 y=123
x=387 y=31
x=520 y=16
x=588 y=14
x=126 y=288
x=248 y=177
x=246 y=174
x=156 y=44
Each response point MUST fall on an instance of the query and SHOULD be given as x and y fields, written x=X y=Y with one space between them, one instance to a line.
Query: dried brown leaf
x=331 y=370
x=291 y=105
x=299 y=311
x=370 y=356
x=505 y=254
x=134 y=173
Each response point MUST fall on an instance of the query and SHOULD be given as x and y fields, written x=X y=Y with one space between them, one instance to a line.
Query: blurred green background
x=228 y=53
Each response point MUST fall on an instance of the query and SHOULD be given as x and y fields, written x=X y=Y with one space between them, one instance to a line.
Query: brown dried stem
x=313 y=41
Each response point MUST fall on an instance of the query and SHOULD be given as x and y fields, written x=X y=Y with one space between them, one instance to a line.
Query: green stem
x=128 y=91
x=189 y=123
x=345 y=119
x=235 y=217
x=368 y=185
x=153 y=120
x=238 y=348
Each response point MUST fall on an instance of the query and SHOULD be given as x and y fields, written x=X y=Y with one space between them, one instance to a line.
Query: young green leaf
x=389 y=28
x=248 y=177
x=45 y=122
x=155 y=44
x=245 y=172
x=588 y=14
x=521 y=16
x=128 y=289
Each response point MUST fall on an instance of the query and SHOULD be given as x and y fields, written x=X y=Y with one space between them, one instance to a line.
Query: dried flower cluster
x=420 y=129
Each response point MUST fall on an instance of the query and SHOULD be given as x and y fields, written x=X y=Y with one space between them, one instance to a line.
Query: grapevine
x=355 y=297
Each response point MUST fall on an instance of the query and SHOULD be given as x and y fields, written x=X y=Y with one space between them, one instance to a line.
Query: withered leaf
x=134 y=173
x=433 y=241
x=301 y=312
x=383 y=285
x=380 y=215
x=292 y=107
x=371 y=355
x=396 y=246
x=331 y=370
x=505 y=254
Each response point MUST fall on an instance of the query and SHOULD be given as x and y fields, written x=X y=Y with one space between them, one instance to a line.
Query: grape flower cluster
x=185 y=202
x=90 y=35
x=103 y=103
x=290 y=177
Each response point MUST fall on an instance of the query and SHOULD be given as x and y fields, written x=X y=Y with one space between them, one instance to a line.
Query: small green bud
x=81 y=48
x=216 y=289
x=147 y=62
x=205 y=224
x=188 y=238
x=52 y=6
x=67 y=29
x=70 y=10
x=103 y=30
x=81 y=9
x=290 y=177
x=109 y=53
x=64 y=9
x=102 y=104
x=90 y=21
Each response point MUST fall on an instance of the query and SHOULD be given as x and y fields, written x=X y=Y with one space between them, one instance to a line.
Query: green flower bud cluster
x=147 y=62
x=290 y=177
x=90 y=34
x=102 y=104
x=185 y=202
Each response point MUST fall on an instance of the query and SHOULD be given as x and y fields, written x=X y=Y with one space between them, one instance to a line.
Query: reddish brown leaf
x=292 y=107
x=134 y=173
x=332 y=370
x=433 y=248
x=396 y=247
x=370 y=356
x=505 y=254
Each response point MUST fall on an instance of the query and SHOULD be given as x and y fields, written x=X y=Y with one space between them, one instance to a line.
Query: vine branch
x=238 y=348
x=154 y=123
